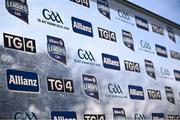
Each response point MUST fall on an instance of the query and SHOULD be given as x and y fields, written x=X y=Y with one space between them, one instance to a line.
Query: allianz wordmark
x=136 y=92
x=157 y=116
x=22 y=81
x=161 y=51
x=52 y=18
x=82 y=27
x=110 y=61
x=106 y=34
x=82 y=2
x=63 y=115
x=142 y=23
x=86 y=57
x=19 y=43
x=60 y=85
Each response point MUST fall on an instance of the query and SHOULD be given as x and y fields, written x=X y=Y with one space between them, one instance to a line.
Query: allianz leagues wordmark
x=86 y=57
x=169 y=94
x=149 y=66
x=18 y=8
x=52 y=18
x=158 y=116
x=110 y=61
x=82 y=2
x=90 y=86
x=128 y=39
x=119 y=114
x=82 y=27
x=63 y=115
x=138 y=116
x=25 y=116
x=136 y=92
x=22 y=81
x=56 y=49
x=173 y=117
x=103 y=7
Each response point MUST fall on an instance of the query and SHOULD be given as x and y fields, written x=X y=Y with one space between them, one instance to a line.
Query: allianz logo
x=20 y=80
x=114 y=88
x=165 y=71
x=87 y=55
x=145 y=44
x=107 y=60
x=136 y=92
x=80 y=26
x=141 y=23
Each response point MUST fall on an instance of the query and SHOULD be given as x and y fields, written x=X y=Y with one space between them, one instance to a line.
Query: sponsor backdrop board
x=86 y=60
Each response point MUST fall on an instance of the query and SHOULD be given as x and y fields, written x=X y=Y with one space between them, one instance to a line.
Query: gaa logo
x=60 y=85
x=165 y=71
x=94 y=117
x=124 y=15
x=108 y=35
x=19 y=43
x=139 y=117
x=87 y=55
x=25 y=116
x=114 y=88
x=131 y=66
x=53 y=16
x=145 y=44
